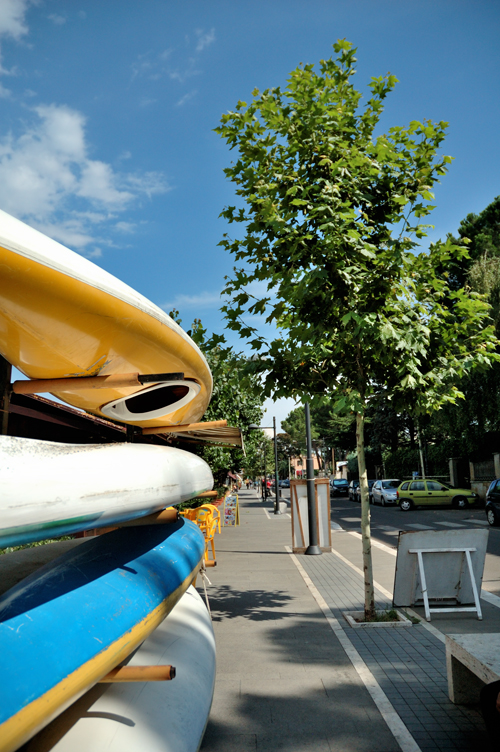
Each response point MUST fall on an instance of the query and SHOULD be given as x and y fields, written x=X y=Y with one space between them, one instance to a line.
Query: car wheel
x=491 y=517
x=405 y=505
x=460 y=502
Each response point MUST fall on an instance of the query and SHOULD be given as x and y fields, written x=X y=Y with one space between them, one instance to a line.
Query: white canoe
x=50 y=489
x=166 y=716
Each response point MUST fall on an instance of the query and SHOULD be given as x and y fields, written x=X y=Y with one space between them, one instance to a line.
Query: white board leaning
x=441 y=569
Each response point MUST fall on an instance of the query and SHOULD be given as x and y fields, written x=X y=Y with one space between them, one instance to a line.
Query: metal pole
x=313 y=548
x=264 y=485
x=277 y=509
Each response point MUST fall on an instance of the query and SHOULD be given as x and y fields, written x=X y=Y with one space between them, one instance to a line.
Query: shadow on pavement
x=277 y=719
x=256 y=605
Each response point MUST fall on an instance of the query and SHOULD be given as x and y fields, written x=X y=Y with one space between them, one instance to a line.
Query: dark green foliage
x=9 y=549
x=481 y=234
x=236 y=397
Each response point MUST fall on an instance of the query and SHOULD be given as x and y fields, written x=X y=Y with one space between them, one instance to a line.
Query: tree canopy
x=332 y=219
x=236 y=397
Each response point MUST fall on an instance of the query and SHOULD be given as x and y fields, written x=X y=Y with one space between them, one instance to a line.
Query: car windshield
x=390 y=483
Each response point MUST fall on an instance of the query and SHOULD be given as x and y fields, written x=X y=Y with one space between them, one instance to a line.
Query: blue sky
x=108 y=110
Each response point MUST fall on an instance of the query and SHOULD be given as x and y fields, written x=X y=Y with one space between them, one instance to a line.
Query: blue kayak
x=68 y=624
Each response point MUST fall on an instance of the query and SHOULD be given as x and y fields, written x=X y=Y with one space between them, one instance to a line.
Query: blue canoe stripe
x=73 y=608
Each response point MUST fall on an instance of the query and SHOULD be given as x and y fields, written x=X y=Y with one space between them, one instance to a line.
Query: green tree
x=331 y=215
x=236 y=397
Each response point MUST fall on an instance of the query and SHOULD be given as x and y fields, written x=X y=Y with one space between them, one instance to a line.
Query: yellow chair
x=209 y=538
x=189 y=514
x=208 y=524
x=215 y=514
x=203 y=515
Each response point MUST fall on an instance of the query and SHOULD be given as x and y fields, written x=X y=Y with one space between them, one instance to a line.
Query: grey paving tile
x=285 y=652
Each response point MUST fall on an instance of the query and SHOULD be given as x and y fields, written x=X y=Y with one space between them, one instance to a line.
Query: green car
x=413 y=493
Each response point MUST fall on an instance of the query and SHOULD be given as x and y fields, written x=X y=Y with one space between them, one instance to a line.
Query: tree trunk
x=318 y=458
x=365 y=518
x=421 y=448
x=411 y=429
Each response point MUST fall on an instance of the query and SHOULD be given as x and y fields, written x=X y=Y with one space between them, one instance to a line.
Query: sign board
x=300 y=519
x=440 y=568
x=231 y=515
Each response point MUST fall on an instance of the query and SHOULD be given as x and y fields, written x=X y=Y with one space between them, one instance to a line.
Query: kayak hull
x=62 y=316
x=51 y=489
x=155 y=716
x=67 y=625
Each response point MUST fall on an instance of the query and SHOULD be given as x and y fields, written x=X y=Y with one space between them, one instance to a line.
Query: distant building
x=298 y=465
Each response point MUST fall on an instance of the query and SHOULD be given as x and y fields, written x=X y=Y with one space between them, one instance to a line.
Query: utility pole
x=313 y=548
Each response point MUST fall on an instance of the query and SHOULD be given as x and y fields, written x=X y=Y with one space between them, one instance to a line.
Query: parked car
x=284 y=483
x=385 y=492
x=358 y=490
x=339 y=487
x=414 y=493
x=492 y=507
x=353 y=485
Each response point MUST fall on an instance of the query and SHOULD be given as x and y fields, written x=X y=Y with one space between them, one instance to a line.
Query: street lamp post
x=263 y=487
x=277 y=509
x=313 y=548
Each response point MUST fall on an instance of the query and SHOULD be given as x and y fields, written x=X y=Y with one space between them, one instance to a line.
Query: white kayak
x=50 y=489
x=168 y=716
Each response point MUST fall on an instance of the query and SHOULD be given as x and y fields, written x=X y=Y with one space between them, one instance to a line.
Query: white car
x=385 y=492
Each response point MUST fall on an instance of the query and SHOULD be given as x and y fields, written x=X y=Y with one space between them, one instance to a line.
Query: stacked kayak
x=68 y=624
x=157 y=717
x=64 y=627
x=51 y=489
x=62 y=316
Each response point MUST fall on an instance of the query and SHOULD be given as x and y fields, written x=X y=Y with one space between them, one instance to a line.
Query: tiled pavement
x=287 y=681
x=408 y=663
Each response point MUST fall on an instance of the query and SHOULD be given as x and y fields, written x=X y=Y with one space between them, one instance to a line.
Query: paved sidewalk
x=292 y=677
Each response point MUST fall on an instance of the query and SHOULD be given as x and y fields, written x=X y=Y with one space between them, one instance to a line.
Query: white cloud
x=202 y=300
x=125 y=227
x=204 y=38
x=12 y=14
x=70 y=232
x=188 y=71
x=154 y=66
x=186 y=98
x=98 y=183
x=142 y=65
x=4 y=93
x=94 y=254
x=57 y=19
x=149 y=183
x=48 y=179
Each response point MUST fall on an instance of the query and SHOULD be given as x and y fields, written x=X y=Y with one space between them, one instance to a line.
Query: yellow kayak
x=61 y=316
